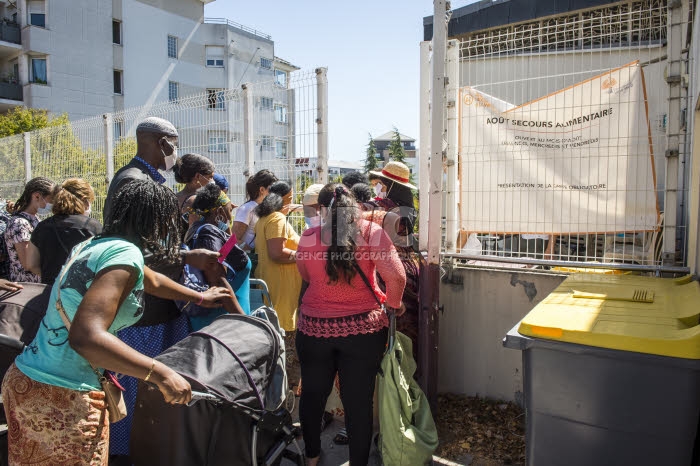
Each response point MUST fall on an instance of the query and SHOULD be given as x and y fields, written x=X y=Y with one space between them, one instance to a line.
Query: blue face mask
x=223 y=226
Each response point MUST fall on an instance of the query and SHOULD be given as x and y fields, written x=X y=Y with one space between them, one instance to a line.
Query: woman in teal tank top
x=55 y=408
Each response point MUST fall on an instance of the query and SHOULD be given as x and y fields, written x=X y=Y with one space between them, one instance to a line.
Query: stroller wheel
x=290 y=401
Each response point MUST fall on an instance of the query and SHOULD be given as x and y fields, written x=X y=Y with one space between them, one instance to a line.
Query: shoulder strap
x=59 y=305
x=364 y=279
x=58 y=237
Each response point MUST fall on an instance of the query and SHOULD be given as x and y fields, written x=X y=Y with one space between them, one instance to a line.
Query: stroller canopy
x=234 y=358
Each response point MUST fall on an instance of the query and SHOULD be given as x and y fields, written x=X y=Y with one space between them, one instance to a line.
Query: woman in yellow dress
x=276 y=244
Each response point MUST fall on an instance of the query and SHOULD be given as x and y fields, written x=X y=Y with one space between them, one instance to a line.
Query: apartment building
x=90 y=57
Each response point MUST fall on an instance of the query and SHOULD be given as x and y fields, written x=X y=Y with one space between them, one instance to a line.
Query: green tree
x=22 y=119
x=12 y=125
x=371 y=162
x=396 y=151
x=302 y=182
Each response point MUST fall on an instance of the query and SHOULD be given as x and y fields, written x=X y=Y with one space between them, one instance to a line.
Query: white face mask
x=314 y=221
x=378 y=191
x=88 y=211
x=45 y=210
x=170 y=159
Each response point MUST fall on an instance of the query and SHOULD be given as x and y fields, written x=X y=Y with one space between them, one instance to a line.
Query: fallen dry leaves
x=480 y=428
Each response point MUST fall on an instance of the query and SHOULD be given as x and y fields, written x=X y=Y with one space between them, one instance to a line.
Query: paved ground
x=337 y=455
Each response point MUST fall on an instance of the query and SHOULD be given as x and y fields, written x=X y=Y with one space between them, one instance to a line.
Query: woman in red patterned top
x=341 y=326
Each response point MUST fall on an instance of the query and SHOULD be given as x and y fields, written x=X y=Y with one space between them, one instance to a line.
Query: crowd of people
x=118 y=281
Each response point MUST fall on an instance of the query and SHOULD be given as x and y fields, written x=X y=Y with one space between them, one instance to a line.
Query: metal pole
x=694 y=222
x=291 y=141
x=453 y=105
x=673 y=132
x=27 y=157
x=322 y=124
x=483 y=262
x=248 y=135
x=424 y=145
x=430 y=281
x=109 y=145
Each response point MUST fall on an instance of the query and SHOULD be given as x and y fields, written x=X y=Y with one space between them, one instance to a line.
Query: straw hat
x=396 y=172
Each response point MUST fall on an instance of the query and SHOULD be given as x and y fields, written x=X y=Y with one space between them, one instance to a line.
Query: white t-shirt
x=246 y=214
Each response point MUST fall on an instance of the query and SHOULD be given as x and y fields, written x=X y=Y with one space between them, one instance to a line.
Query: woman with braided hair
x=341 y=326
x=52 y=396
x=36 y=199
x=53 y=238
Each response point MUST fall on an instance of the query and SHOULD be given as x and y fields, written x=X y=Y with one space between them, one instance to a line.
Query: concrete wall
x=147 y=68
x=478 y=313
x=78 y=46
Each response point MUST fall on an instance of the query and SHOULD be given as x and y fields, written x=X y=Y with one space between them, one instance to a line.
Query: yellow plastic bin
x=611 y=372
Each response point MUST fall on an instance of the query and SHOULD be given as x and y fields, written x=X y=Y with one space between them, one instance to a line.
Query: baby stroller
x=236 y=369
x=20 y=316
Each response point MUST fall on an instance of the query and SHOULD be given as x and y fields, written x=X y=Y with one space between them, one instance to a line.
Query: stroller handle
x=9 y=342
x=201 y=396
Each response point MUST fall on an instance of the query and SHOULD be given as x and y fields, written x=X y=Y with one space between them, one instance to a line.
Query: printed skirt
x=54 y=426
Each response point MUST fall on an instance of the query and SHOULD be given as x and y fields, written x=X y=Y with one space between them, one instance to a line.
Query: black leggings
x=356 y=359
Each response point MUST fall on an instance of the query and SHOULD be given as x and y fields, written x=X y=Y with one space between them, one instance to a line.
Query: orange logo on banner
x=608 y=83
x=468 y=99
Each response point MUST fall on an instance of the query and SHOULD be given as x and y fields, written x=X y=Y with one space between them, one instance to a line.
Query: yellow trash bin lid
x=622 y=312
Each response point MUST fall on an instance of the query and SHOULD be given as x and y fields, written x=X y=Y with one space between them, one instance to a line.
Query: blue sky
x=371 y=49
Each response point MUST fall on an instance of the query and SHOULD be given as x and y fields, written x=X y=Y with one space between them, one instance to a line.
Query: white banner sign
x=576 y=161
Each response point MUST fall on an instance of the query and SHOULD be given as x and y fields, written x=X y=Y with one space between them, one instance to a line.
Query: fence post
x=430 y=280
x=27 y=157
x=453 y=138
x=249 y=137
x=322 y=124
x=673 y=136
x=424 y=146
x=109 y=145
x=291 y=141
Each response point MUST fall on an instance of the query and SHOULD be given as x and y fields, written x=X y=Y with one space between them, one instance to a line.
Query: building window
x=215 y=56
x=172 y=47
x=117 y=81
x=37 y=13
x=266 y=103
x=216 y=99
x=281 y=78
x=38 y=71
x=118 y=130
x=217 y=141
x=281 y=149
x=266 y=142
x=266 y=63
x=116 y=32
x=173 y=91
x=280 y=114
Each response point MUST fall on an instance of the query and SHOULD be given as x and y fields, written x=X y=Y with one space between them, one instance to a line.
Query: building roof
x=488 y=14
x=390 y=135
x=286 y=64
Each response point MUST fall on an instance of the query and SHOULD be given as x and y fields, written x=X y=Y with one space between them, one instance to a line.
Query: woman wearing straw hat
x=397 y=214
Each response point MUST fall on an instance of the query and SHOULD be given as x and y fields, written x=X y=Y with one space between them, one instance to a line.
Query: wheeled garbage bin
x=611 y=372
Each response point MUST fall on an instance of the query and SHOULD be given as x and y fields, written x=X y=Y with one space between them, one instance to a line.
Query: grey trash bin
x=611 y=397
